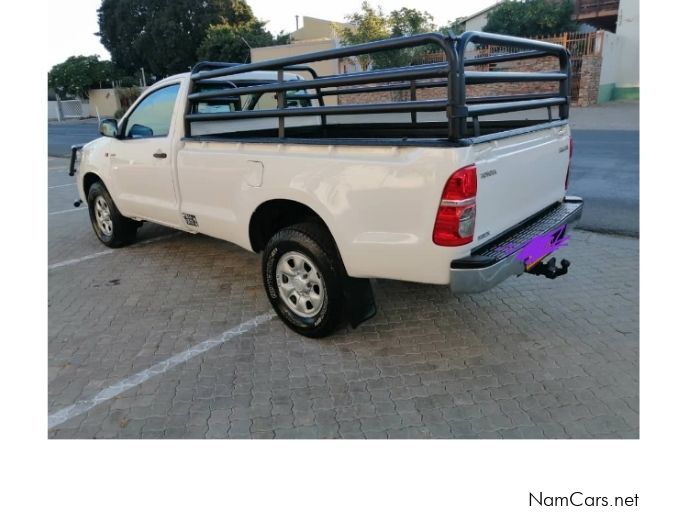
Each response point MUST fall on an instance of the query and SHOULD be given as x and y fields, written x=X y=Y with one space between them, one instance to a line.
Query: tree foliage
x=368 y=25
x=163 y=36
x=78 y=74
x=371 y=24
x=405 y=22
x=457 y=26
x=531 y=18
x=232 y=43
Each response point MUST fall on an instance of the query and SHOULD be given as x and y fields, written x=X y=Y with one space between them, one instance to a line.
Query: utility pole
x=143 y=78
x=297 y=22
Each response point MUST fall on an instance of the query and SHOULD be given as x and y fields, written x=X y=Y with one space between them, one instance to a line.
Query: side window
x=153 y=115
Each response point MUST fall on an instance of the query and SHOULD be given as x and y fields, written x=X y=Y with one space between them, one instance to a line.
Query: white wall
x=628 y=34
x=610 y=58
x=68 y=112
x=103 y=102
x=52 y=110
x=477 y=23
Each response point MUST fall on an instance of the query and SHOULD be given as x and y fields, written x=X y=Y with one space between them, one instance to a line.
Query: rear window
x=256 y=101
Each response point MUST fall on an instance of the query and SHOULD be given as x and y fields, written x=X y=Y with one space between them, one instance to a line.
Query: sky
x=72 y=24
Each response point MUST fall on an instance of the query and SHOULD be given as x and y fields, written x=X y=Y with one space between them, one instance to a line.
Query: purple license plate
x=540 y=246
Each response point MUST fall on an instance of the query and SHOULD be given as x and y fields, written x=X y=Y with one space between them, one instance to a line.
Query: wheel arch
x=275 y=214
x=88 y=180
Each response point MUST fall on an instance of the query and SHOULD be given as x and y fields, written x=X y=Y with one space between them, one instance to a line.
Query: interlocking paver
x=532 y=358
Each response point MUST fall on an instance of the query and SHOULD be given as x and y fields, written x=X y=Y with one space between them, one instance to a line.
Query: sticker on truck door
x=190 y=219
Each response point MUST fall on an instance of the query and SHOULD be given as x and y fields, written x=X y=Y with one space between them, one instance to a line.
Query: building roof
x=481 y=12
x=316 y=28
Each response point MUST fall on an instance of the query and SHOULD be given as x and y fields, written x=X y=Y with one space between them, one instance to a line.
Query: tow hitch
x=550 y=269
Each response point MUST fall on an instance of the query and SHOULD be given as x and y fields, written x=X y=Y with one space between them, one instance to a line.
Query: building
x=598 y=14
x=620 y=49
x=619 y=19
x=626 y=69
x=476 y=21
x=315 y=35
x=602 y=14
x=315 y=28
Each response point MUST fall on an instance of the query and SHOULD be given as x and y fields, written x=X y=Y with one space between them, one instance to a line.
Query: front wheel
x=111 y=227
x=303 y=278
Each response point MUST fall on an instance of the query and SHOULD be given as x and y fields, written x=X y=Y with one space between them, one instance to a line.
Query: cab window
x=219 y=104
x=153 y=116
x=268 y=100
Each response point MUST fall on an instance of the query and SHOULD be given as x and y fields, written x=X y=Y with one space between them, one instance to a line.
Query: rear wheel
x=303 y=279
x=111 y=227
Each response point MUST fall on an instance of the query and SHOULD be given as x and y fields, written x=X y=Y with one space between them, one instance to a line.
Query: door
x=142 y=160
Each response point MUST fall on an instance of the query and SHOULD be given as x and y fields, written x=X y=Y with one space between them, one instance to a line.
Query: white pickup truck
x=272 y=157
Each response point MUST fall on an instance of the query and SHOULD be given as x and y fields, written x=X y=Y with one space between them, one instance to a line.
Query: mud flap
x=360 y=301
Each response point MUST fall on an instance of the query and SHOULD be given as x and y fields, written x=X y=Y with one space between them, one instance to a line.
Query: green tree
x=457 y=26
x=226 y=42
x=163 y=36
x=531 y=18
x=406 y=22
x=78 y=74
x=368 y=25
x=372 y=24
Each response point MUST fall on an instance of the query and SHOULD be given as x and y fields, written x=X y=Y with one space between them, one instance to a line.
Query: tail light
x=455 y=221
x=568 y=170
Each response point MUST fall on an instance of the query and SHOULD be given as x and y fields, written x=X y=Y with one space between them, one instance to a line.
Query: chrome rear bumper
x=491 y=264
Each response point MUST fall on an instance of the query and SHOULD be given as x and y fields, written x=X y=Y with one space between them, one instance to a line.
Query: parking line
x=79 y=260
x=66 y=211
x=108 y=251
x=62 y=186
x=82 y=406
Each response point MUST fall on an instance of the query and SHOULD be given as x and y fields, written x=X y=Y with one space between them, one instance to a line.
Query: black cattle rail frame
x=451 y=73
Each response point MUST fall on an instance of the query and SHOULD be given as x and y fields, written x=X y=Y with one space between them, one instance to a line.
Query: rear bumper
x=491 y=264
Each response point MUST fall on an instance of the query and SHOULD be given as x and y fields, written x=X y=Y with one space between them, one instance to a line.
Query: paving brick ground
x=532 y=358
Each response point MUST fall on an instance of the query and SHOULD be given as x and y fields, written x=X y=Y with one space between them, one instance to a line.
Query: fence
x=579 y=44
x=67 y=109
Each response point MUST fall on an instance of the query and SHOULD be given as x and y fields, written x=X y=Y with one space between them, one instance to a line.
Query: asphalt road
x=605 y=173
x=605 y=169
x=62 y=135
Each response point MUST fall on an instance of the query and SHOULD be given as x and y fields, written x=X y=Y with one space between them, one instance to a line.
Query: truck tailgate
x=517 y=177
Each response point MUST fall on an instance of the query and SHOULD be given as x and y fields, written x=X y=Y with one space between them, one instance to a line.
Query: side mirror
x=108 y=127
x=140 y=131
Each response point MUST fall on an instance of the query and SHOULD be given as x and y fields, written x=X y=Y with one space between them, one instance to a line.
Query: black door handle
x=160 y=155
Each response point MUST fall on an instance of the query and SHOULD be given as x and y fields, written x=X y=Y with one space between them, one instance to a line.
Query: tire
x=303 y=278
x=111 y=227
